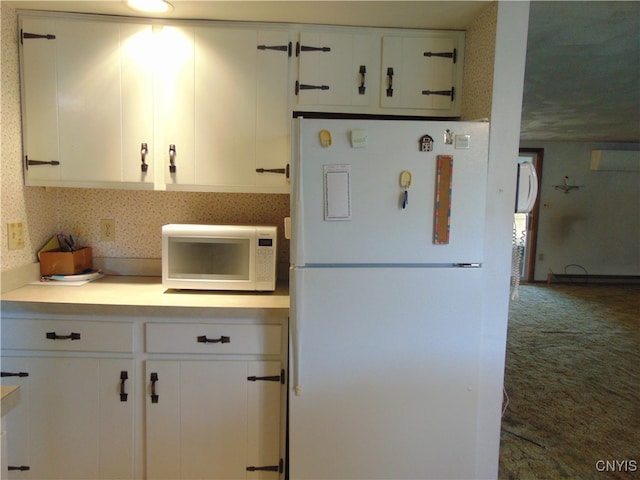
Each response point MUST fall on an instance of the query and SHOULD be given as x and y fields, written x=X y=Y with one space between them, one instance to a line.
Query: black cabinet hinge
x=305 y=48
x=21 y=468
x=452 y=55
x=279 y=48
x=284 y=171
x=271 y=378
x=25 y=35
x=447 y=93
x=304 y=86
x=270 y=468
x=31 y=163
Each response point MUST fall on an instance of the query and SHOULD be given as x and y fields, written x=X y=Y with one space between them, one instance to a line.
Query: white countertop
x=128 y=291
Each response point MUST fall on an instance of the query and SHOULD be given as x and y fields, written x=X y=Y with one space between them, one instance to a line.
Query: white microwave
x=219 y=257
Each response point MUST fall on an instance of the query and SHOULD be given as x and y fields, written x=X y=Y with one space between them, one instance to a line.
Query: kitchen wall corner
x=480 y=45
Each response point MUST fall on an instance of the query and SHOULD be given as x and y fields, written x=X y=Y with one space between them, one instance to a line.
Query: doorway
x=527 y=223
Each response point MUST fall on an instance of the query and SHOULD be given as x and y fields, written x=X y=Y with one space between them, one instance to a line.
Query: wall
x=506 y=107
x=139 y=215
x=595 y=229
x=477 y=85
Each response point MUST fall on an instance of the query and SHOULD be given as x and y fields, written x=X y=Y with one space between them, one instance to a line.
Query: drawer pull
x=222 y=339
x=154 y=396
x=14 y=374
x=21 y=468
x=123 y=378
x=55 y=336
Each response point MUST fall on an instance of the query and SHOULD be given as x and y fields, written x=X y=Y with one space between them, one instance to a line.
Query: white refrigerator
x=386 y=268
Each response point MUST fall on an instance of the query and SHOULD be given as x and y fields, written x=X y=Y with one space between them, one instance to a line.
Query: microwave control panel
x=265 y=260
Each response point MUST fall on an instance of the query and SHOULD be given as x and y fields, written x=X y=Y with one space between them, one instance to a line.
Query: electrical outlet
x=108 y=230
x=16 y=235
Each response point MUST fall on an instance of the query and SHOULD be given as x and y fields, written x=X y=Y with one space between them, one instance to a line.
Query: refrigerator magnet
x=426 y=143
x=325 y=138
x=442 y=213
x=463 y=141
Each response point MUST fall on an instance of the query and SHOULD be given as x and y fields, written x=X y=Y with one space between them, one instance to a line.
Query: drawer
x=67 y=335
x=213 y=338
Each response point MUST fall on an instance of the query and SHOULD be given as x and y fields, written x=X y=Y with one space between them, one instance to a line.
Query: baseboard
x=585 y=278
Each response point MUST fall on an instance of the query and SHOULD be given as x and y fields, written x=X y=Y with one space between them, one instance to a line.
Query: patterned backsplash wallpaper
x=139 y=215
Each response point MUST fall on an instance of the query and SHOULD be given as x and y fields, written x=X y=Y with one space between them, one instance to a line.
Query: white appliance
x=219 y=257
x=386 y=298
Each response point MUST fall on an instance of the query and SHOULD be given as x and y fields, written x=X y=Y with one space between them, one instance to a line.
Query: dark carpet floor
x=573 y=383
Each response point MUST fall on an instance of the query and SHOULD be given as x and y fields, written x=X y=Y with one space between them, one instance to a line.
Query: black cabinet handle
x=123 y=378
x=363 y=73
x=21 y=468
x=14 y=374
x=222 y=339
x=55 y=336
x=172 y=158
x=154 y=396
x=390 y=82
x=144 y=150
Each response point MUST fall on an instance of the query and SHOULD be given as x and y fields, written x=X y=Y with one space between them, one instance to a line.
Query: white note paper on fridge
x=337 y=192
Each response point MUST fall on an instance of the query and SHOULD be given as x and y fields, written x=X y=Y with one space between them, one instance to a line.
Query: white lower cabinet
x=216 y=416
x=121 y=397
x=206 y=420
x=71 y=421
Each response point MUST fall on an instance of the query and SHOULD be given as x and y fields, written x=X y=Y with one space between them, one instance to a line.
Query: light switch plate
x=16 y=235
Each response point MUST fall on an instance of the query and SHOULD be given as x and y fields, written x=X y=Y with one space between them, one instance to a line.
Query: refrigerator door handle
x=295 y=322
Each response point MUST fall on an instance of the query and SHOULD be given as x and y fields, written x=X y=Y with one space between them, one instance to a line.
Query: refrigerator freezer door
x=378 y=229
x=386 y=364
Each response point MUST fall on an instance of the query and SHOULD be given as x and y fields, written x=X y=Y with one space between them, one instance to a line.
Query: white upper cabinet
x=225 y=109
x=207 y=106
x=334 y=67
x=423 y=73
x=88 y=101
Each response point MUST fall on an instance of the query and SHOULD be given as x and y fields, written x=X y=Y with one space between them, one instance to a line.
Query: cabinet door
x=15 y=371
x=71 y=422
x=224 y=109
x=176 y=126
x=421 y=73
x=333 y=67
x=208 y=421
x=39 y=100
x=87 y=99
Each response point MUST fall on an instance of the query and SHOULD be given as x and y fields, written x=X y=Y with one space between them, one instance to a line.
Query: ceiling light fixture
x=152 y=6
